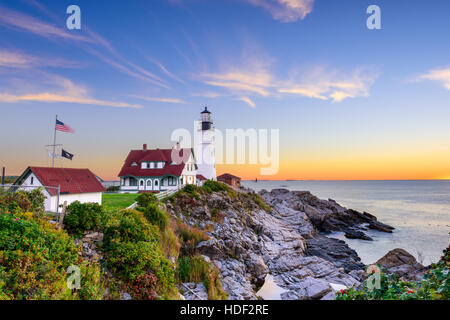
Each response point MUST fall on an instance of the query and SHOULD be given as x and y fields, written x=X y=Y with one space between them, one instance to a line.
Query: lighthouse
x=205 y=151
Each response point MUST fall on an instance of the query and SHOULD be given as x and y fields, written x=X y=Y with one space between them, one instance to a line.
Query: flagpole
x=54 y=144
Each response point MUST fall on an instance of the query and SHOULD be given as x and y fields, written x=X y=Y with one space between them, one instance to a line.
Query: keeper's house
x=148 y=170
x=74 y=185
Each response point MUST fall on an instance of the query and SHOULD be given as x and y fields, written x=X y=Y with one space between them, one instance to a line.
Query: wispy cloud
x=16 y=59
x=316 y=83
x=13 y=19
x=247 y=100
x=440 y=75
x=164 y=69
x=327 y=84
x=68 y=92
x=285 y=10
x=254 y=78
x=158 y=99
x=91 y=42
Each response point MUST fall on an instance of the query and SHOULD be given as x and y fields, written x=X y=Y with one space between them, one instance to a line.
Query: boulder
x=356 y=234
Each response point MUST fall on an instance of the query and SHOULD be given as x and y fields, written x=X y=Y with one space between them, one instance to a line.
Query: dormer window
x=134 y=164
x=160 y=165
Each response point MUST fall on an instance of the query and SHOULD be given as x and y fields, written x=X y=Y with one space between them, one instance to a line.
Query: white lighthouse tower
x=205 y=151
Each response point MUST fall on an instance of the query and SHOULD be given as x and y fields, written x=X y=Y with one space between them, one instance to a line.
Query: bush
x=34 y=256
x=145 y=199
x=133 y=250
x=31 y=201
x=130 y=226
x=144 y=287
x=156 y=216
x=113 y=189
x=211 y=186
x=82 y=217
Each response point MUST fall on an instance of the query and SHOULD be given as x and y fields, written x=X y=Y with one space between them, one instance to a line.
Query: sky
x=350 y=103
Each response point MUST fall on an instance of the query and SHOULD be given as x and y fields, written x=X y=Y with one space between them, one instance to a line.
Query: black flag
x=66 y=154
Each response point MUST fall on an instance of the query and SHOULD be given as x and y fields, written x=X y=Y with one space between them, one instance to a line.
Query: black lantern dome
x=206 y=119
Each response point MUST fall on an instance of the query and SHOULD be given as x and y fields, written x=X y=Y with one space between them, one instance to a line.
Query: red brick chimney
x=144 y=147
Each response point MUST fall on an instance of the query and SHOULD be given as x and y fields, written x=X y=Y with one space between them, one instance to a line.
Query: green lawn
x=118 y=201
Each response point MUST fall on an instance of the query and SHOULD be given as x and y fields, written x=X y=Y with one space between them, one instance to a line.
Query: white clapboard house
x=154 y=170
x=74 y=185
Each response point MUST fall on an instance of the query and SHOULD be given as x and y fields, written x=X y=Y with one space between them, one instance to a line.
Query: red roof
x=201 y=177
x=162 y=155
x=227 y=176
x=70 y=180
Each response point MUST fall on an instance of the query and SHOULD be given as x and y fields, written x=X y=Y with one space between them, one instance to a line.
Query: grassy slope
x=118 y=201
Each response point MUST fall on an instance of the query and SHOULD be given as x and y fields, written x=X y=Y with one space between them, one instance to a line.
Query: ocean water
x=419 y=210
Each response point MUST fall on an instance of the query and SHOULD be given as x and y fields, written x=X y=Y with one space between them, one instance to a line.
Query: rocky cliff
x=249 y=240
x=280 y=233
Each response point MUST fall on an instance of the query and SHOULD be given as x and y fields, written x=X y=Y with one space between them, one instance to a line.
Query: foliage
x=210 y=186
x=189 y=236
x=156 y=216
x=260 y=202
x=145 y=199
x=113 y=188
x=92 y=282
x=435 y=285
x=130 y=226
x=82 y=217
x=170 y=243
x=133 y=249
x=192 y=191
x=34 y=256
x=144 y=286
x=21 y=200
x=196 y=269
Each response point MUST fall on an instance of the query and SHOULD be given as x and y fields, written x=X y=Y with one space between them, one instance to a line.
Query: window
x=133 y=182
x=171 y=181
x=152 y=165
x=149 y=183
x=32 y=180
x=134 y=164
x=156 y=183
x=141 y=183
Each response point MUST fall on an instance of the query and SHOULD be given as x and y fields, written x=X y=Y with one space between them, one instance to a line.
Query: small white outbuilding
x=74 y=185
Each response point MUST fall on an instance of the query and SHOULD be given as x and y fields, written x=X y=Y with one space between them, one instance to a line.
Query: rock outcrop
x=402 y=264
x=248 y=242
x=325 y=216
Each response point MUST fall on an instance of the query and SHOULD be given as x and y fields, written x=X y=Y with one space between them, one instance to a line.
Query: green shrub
x=211 y=186
x=145 y=199
x=82 y=217
x=92 y=282
x=156 y=216
x=34 y=256
x=133 y=250
x=22 y=201
x=130 y=226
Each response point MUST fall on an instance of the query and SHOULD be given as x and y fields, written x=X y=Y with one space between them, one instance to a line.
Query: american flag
x=60 y=126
